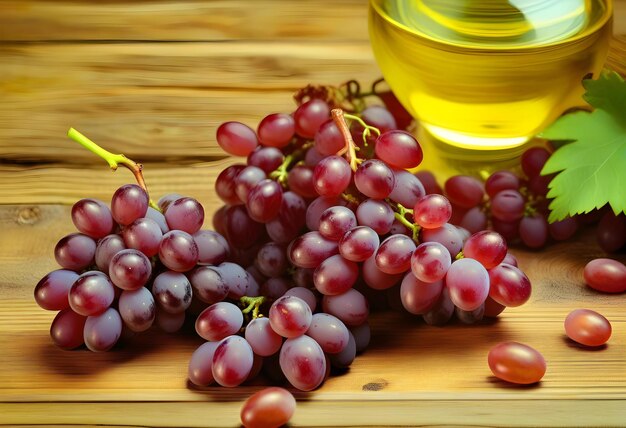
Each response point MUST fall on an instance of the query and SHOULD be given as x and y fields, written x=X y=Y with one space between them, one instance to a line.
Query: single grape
x=447 y=235
x=508 y=206
x=218 y=321
x=611 y=232
x=102 y=331
x=271 y=260
x=328 y=139
x=487 y=247
x=493 y=308
x=309 y=116
x=241 y=231
x=311 y=249
x=300 y=181
x=350 y=307
x=501 y=180
x=213 y=249
x=430 y=262
x=264 y=200
x=533 y=161
x=377 y=279
x=200 y=370
x=207 y=284
x=606 y=275
x=276 y=130
x=362 y=335
x=516 y=363
x=269 y=408
x=394 y=254
x=304 y=294
x=66 y=329
x=273 y=288
x=335 y=275
x=129 y=203
x=470 y=317
x=329 y=332
x=247 y=178
x=225 y=184
x=178 y=251
x=75 y=251
x=468 y=282
x=290 y=220
x=106 y=248
x=374 y=179
x=376 y=116
x=185 y=214
x=232 y=361
x=143 y=234
x=236 y=139
x=165 y=200
x=130 y=269
x=137 y=309
x=92 y=217
x=474 y=220
x=539 y=184
x=407 y=188
x=52 y=290
x=344 y=359
x=290 y=316
x=169 y=323
x=331 y=176
x=587 y=327
x=91 y=294
x=158 y=218
x=266 y=158
x=419 y=297
x=376 y=215
x=172 y=291
x=429 y=182
x=312 y=157
x=398 y=149
x=442 y=310
x=510 y=259
x=432 y=211
x=533 y=230
x=464 y=191
x=509 y=286
x=563 y=229
x=262 y=339
x=236 y=279
x=303 y=363
x=336 y=221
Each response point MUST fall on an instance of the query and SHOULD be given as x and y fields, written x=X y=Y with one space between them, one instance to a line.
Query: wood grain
x=149 y=20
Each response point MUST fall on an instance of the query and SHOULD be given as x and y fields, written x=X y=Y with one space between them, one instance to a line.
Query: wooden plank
x=36 y=20
x=155 y=101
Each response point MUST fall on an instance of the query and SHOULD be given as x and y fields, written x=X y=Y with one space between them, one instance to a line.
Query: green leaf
x=592 y=167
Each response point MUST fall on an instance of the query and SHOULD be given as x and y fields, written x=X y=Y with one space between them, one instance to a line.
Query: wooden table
x=153 y=79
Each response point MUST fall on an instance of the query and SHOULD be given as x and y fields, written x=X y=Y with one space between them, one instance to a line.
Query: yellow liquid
x=489 y=74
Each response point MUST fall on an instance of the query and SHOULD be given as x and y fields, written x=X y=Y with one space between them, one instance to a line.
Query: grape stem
x=254 y=304
x=367 y=129
x=113 y=160
x=280 y=174
x=350 y=148
x=400 y=215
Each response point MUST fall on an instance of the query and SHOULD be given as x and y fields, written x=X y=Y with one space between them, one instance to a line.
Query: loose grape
x=587 y=327
x=516 y=363
x=606 y=275
x=269 y=408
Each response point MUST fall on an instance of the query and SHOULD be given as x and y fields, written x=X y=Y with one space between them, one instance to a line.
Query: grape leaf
x=591 y=165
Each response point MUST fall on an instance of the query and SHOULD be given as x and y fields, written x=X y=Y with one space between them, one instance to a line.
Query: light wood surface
x=153 y=79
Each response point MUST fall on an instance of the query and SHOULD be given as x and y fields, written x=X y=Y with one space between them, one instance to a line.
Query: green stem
x=253 y=304
x=459 y=256
x=280 y=174
x=366 y=128
x=114 y=160
x=350 y=198
x=400 y=215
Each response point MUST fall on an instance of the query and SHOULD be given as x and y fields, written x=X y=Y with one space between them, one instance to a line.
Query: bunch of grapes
x=516 y=206
x=128 y=267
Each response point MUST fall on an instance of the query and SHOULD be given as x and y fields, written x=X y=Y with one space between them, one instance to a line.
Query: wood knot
x=376 y=385
x=28 y=215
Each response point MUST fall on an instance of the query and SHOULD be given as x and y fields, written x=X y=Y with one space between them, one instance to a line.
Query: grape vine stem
x=254 y=304
x=350 y=148
x=113 y=160
x=400 y=215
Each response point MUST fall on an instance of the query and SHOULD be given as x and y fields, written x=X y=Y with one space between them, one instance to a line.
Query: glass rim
x=604 y=19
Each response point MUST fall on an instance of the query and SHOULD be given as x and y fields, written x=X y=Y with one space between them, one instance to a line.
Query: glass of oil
x=489 y=74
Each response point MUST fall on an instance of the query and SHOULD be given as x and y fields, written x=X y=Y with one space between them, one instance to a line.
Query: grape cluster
x=516 y=206
x=319 y=216
x=128 y=267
